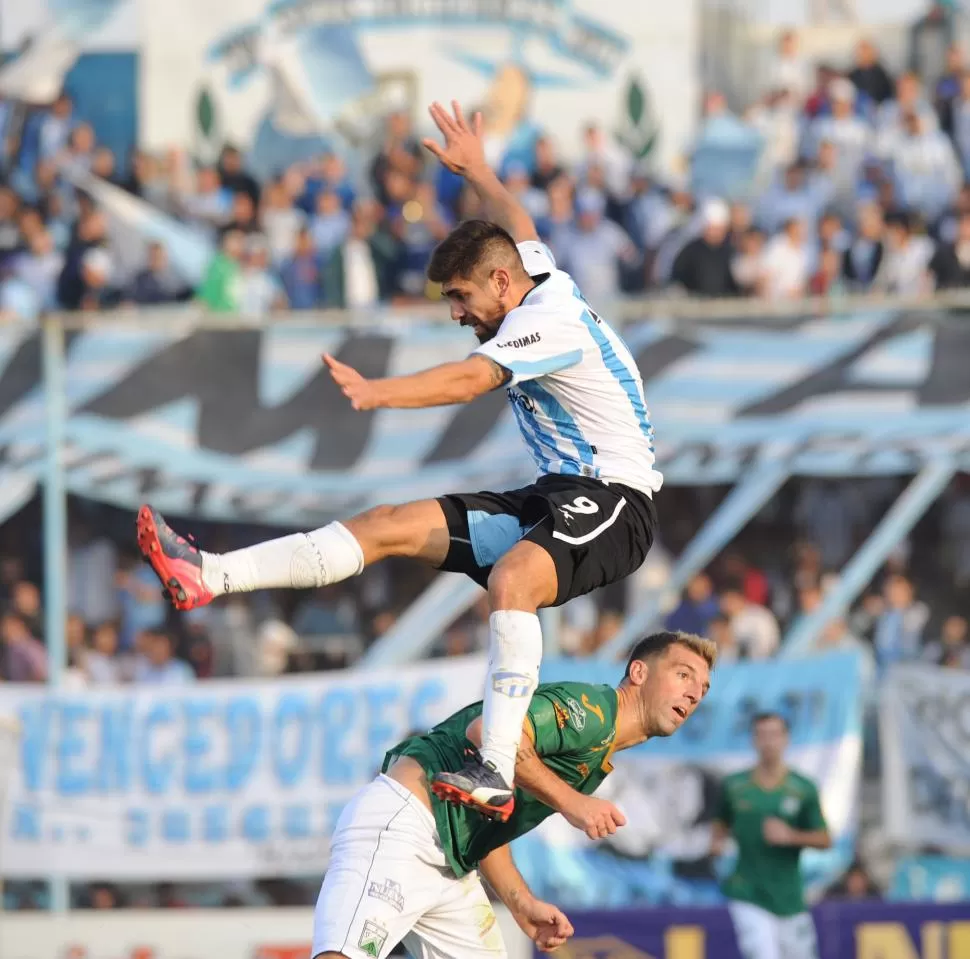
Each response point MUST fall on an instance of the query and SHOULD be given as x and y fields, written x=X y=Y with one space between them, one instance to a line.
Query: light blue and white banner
x=221 y=780
x=924 y=725
x=668 y=788
x=246 y=424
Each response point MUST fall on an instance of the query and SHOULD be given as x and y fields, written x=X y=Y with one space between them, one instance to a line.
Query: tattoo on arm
x=498 y=375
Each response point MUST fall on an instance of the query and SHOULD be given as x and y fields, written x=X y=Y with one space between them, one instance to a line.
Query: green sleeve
x=811 y=817
x=572 y=717
x=725 y=812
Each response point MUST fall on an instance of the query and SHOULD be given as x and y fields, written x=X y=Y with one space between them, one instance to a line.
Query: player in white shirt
x=587 y=521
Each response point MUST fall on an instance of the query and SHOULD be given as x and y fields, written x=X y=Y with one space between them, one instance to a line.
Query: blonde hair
x=658 y=643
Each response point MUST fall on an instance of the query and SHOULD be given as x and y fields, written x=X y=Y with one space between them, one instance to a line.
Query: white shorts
x=388 y=881
x=763 y=935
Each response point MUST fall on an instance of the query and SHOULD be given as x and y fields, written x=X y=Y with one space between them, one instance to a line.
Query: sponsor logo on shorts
x=514 y=685
x=372 y=938
x=577 y=714
x=388 y=891
x=528 y=340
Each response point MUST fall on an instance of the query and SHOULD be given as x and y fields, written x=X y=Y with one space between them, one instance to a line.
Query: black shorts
x=595 y=533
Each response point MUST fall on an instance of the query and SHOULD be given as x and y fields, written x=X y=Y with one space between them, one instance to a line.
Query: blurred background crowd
x=841 y=178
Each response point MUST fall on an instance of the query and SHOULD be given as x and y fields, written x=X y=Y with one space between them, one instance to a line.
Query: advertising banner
x=229 y=779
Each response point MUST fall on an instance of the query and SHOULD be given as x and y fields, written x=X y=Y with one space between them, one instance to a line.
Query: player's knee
x=524 y=578
x=410 y=529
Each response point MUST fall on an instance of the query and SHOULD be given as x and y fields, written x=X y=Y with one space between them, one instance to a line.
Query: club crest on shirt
x=372 y=938
x=789 y=805
x=576 y=714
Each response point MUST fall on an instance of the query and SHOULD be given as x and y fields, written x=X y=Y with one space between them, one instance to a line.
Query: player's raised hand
x=544 y=924
x=598 y=818
x=463 y=146
x=361 y=392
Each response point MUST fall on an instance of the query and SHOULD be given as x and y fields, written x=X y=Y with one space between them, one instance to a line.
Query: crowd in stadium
x=832 y=182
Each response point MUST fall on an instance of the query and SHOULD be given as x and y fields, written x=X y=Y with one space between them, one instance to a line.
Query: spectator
x=100 y=662
x=547 y=167
x=855 y=885
x=9 y=228
x=844 y=129
x=953 y=646
x=157 y=283
x=828 y=279
x=950 y=265
x=331 y=223
x=281 y=221
x=869 y=75
x=24 y=657
x=422 y=225
x=899 y=628
x=157 y=665
x=861 y=261
x=905 y=266
x=260 y=292
x=593 y=248
x=790 y=71
x=55 y=128
x=721 y=632
x=930 y=36
x=77 y=158
x=703 y=266
x=601 y=152
x=221 y=289
x=360 y=272
x=234 y=177
x=697 y=608
x=97 y=270
x=25 y=602
x=791 y=197
x=301 y=274
x=746 y=265
x=91 y=233
x=210 y=204
x=40 y=268
x=242 y=216
x=891 y=116
x=754 y=626
x=948 y=85
x=103 y=164
x=785 y=263
x=926 y=169
x=400 y=151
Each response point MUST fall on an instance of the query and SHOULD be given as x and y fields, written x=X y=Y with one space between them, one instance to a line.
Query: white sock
x=515 y=650
x=301 y=561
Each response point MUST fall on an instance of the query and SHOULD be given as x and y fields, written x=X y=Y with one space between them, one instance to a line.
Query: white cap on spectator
x=715 y=212
x=842 y=90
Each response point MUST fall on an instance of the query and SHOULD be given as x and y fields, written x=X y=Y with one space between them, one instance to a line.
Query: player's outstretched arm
x=442 y=385
x=598 y=818
x=464 y=153
x=542 y=922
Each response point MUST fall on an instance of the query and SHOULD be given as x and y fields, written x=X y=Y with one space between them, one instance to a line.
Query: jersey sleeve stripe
x=532 y=368
x=623 y=376
x=565 y=424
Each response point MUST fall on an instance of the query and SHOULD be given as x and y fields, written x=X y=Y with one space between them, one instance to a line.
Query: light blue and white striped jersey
x=575 y=390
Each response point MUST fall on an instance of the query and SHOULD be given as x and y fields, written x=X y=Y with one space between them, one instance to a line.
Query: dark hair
x=657 y=643
x=763 y=717
x=469 y=246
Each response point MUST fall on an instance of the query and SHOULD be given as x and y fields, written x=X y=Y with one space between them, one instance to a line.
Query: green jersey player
x=404 y=864
x=773 y=814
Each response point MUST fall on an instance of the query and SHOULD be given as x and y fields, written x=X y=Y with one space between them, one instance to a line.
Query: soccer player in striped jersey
x=586 y=521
